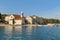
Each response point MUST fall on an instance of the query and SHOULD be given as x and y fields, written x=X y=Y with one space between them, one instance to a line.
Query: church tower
x=22 y=14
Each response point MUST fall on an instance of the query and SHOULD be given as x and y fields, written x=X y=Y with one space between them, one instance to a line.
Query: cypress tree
x=0 y=16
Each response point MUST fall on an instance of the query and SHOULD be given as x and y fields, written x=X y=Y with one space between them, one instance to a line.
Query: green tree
x=0 y=16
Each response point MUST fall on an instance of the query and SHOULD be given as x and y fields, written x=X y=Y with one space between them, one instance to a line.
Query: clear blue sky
x=42 y=8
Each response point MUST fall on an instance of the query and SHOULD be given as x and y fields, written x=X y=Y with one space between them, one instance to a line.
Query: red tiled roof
x=18 y=18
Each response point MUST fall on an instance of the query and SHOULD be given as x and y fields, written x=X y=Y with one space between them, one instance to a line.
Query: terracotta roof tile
x=18 y=18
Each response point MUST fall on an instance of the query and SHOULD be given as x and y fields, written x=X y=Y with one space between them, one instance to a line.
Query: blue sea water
x=29 y=33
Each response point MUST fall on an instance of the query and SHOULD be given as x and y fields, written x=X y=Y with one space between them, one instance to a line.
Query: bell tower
x=22 y=14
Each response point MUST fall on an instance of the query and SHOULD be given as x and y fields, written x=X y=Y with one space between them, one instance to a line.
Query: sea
x=29 y=32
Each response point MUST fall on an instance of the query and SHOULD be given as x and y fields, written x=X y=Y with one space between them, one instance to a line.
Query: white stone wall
x=7 y=18
x=18 y=22
x=10 y=22
x=29 y=19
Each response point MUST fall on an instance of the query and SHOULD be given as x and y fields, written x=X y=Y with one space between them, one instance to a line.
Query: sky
x=41 y=8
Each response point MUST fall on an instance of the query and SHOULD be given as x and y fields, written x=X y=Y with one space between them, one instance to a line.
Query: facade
x=29 y=20
x=19 y=19
x=7 y=18
x=15 y=19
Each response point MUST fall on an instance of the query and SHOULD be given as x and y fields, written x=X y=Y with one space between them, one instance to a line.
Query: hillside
x=41 y=20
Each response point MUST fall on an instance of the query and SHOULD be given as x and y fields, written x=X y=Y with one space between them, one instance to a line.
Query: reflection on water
x=29 y=33
x=11 y=32
x=29 y=30
x=8 y=32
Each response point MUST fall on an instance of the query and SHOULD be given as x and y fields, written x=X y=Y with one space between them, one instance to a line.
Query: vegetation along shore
x=39 y=21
